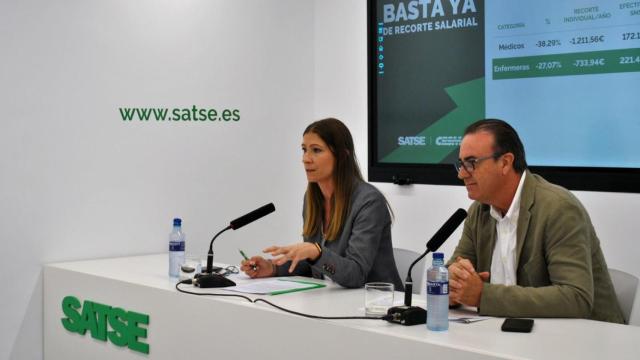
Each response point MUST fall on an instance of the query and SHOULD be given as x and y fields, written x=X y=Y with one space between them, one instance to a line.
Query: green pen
x=253 y=267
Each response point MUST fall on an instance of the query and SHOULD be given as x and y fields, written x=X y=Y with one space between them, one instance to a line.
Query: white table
x=185 y=326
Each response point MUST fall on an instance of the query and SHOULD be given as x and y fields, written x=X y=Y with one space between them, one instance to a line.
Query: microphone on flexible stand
x=215 y=280
x=413 y=315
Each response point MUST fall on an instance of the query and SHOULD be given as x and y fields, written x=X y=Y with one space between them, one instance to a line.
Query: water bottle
x=438 y=294
x=176 y=248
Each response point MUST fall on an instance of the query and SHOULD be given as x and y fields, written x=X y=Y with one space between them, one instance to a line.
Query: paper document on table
x=465 y=316
x=274 y=286
x=468 y=320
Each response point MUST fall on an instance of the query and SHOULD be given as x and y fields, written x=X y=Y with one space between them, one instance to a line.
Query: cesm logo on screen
x=412 y=140
x=448 y=140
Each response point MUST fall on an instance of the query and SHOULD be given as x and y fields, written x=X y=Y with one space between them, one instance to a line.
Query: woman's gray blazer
x=363 y=251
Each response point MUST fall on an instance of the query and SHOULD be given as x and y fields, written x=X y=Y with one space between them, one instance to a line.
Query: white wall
x=78 y=182
x=341 y=91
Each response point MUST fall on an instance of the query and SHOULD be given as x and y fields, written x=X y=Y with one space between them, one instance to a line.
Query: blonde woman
x=347 y=222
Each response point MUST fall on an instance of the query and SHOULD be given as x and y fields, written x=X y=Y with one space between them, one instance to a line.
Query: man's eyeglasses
x=470 y=164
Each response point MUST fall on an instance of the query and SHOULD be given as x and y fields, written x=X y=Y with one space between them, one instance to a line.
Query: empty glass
x=378 y=298
x=191 y=266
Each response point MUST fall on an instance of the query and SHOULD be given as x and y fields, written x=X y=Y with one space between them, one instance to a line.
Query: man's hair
x=506 y=140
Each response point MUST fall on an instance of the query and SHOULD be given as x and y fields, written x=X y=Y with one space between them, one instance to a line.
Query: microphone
x=434 y=244
x=234 y=224
x=252 y=216
x=412 y=315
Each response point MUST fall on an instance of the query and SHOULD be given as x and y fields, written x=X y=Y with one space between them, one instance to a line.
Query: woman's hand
x=295 y=253
x=257 y=267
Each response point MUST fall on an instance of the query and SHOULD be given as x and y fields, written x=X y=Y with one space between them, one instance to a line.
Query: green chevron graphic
x=443 y=136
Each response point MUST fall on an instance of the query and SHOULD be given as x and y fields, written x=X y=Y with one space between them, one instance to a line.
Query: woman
x=347 y=225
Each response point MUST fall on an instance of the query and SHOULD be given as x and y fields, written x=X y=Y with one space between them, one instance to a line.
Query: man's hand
x=465 y=284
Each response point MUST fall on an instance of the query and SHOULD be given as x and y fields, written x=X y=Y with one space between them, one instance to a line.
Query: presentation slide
x=565 y=74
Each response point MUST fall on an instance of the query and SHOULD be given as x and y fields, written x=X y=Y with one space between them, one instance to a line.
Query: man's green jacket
x=560 y=268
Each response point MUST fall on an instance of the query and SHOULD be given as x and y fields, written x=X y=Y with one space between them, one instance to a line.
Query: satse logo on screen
x=412 y=140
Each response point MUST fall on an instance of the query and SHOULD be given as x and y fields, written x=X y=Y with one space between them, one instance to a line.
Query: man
x=528 y=247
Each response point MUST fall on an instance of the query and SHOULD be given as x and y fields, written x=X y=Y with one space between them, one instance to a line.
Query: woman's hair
x=345 y=173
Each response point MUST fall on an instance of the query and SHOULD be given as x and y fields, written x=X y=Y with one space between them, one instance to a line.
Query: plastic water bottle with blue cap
x=176 y=248
x=438 y=294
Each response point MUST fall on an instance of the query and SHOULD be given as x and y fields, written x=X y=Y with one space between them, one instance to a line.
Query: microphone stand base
x=212 y=281
x=407 y=315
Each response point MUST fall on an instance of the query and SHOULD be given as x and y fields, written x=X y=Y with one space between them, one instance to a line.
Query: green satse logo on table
x=104 y=322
